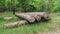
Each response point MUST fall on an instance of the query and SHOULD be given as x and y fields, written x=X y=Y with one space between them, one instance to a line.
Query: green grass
x=29 y=28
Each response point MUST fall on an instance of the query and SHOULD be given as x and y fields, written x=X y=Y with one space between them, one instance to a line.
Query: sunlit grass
x=29 y=28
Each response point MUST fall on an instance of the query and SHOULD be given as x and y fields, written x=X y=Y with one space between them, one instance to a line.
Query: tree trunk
x=26 y=17
x=33 y=16
x=49 y=5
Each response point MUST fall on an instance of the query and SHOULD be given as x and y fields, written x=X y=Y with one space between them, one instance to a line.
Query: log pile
x=28 y=17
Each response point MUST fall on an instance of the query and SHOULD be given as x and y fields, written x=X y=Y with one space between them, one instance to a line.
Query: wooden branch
x=15 y=24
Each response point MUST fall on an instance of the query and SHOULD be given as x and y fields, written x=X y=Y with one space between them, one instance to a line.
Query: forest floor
x=50 y=27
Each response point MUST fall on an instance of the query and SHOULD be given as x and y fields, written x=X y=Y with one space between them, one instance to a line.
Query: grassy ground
x=28 y=29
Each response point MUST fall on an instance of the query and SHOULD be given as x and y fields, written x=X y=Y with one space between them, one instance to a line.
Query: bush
x=31 y=5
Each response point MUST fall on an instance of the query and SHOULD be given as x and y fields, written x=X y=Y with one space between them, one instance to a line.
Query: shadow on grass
x=42 y=21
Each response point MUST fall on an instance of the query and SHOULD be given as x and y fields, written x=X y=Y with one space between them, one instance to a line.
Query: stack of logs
x=28 y=17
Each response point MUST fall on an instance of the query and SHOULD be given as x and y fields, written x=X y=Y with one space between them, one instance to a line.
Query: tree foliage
x=30 y=5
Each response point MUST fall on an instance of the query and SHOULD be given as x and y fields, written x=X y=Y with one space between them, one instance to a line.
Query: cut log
x=15 y=24
x=26 y=17
x=40 y=15
x=37 y=15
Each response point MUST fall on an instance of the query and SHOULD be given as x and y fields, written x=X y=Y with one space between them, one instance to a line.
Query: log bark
x=26 y=17
x=40 y=15
x=35 y=15
x=15 y=24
